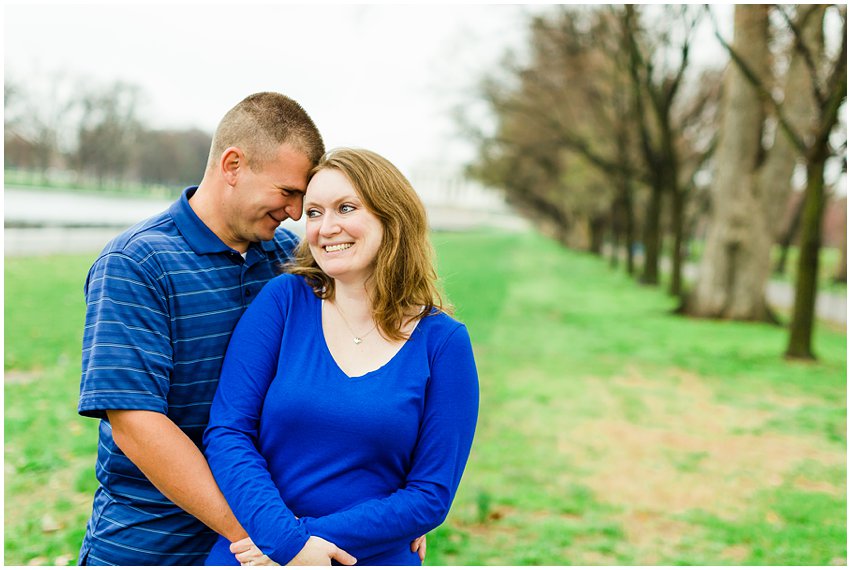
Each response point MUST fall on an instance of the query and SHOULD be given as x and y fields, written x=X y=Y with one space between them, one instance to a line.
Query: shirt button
x=248 y=292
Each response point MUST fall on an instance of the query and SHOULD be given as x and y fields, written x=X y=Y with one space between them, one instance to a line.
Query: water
x=70 y=222
x=54 y=208
x=55 y=222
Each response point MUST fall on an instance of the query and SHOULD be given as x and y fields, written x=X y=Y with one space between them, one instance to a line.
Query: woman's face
x=343 y=235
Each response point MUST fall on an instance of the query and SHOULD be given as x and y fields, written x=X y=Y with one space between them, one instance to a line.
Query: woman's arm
x=443 y=446
x=230 y=439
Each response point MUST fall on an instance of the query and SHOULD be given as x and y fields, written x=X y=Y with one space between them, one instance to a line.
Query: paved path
x=831 y=307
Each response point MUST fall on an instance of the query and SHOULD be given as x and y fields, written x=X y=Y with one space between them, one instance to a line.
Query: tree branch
x=803 y=49
x=678 y=77
x=763 y=92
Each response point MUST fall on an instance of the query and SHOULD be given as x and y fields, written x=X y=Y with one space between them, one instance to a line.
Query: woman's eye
x=346 y=208
x=312 y=213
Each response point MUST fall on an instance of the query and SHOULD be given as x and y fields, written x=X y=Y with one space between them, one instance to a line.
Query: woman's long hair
x=404 y=278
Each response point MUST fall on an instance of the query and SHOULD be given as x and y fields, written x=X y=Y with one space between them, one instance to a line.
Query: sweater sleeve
x=232 y=433
x=443 y=446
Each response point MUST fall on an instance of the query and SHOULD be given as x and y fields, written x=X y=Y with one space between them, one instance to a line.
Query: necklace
x=355 y=338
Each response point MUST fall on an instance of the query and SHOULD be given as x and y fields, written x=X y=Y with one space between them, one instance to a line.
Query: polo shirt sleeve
x=127 y=354
x=443 y=446
x=231 y=437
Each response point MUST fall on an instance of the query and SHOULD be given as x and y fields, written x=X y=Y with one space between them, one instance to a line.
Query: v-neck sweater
x=299 y=448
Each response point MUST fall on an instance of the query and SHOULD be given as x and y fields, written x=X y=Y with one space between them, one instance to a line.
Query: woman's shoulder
x=288 y=284
x=286 y=290
x=439 y=326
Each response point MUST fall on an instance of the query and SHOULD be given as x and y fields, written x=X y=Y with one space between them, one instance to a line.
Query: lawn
x=611 y=431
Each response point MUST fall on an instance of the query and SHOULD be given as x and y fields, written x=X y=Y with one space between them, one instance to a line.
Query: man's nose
x=294 y=208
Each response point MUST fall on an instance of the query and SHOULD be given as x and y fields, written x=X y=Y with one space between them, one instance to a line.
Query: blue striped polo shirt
x=162 y=301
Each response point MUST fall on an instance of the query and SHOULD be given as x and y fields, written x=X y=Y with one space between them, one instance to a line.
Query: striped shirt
x=162 y=301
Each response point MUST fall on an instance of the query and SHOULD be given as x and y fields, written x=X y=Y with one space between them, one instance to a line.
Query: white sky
x=382 y=77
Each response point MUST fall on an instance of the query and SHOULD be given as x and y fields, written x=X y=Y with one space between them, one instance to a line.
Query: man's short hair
x=260 y=124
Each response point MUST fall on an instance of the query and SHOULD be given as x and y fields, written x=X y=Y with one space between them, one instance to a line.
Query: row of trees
x=96 y=132
x=608 y=124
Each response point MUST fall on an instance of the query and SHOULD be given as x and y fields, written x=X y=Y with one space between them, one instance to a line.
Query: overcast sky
x=382 y=77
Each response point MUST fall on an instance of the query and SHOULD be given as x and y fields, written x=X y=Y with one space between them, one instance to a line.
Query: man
x=162 y=300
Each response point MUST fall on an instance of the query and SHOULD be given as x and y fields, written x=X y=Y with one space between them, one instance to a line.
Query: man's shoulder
x=155 y=234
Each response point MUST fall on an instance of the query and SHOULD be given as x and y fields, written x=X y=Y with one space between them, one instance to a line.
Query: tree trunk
x=652 y=231
x=800 y=108
x=788 y=237
x=736 y=262
x=677 y=223
x=629 y=221
x=597 y=229
x=616 y=232
x=626 y=220
x=815 y=199
x=806 y=282
x=841 y=273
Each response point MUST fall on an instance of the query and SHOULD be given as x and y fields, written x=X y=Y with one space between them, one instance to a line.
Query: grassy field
x=68 y=181
x=611 y=432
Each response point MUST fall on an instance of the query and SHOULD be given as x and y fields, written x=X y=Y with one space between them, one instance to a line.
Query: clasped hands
x=316 y=552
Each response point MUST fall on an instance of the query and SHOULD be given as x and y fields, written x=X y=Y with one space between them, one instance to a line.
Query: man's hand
x=320 y=552
x=419 y=546
x=248 y=554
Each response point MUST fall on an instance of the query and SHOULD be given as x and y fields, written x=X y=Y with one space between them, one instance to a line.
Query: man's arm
x=175 y=465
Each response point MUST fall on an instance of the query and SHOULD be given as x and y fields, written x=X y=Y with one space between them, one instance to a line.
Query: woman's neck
x=354 y=301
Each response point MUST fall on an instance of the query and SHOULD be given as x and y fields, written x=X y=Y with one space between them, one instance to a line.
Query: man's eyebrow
x=292 y=189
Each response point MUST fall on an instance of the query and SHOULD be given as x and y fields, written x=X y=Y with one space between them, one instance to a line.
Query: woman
x=348 y=397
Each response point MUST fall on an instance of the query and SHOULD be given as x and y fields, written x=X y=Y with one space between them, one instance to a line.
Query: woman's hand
x=248 y=554
x=320 y=552
x=419 y=546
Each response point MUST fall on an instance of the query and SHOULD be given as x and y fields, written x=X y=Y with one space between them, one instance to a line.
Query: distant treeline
x=97 y=133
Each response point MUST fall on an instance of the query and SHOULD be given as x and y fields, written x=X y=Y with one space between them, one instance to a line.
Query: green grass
x=49 y=449
x=611 y=432
x=67 y=181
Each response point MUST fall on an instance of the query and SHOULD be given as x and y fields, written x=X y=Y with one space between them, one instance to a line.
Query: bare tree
x=828 y=79
x=655 y=89
x=172 y=157
x=36 y=116
x=752 y=183
x=107 y=132
x=593 y=95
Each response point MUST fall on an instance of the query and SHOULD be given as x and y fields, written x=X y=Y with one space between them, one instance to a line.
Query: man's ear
x=231 y=164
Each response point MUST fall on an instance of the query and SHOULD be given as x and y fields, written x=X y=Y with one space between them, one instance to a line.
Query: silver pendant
x=357 y=340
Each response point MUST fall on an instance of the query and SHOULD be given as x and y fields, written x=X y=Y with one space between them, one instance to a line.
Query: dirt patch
x=654 y=536
x=684 y=451
x=20 y=377
x=737 y=553
x=817 y=486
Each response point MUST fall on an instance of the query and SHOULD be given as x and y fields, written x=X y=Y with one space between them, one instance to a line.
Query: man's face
x=265 y=196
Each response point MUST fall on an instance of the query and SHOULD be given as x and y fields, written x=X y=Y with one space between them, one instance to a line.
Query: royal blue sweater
x=300 y=449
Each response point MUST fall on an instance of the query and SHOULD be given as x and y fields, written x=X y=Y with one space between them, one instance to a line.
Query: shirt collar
x=201 y=238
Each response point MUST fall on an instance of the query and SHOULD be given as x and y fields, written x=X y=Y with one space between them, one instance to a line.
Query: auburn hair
x=404 y=284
